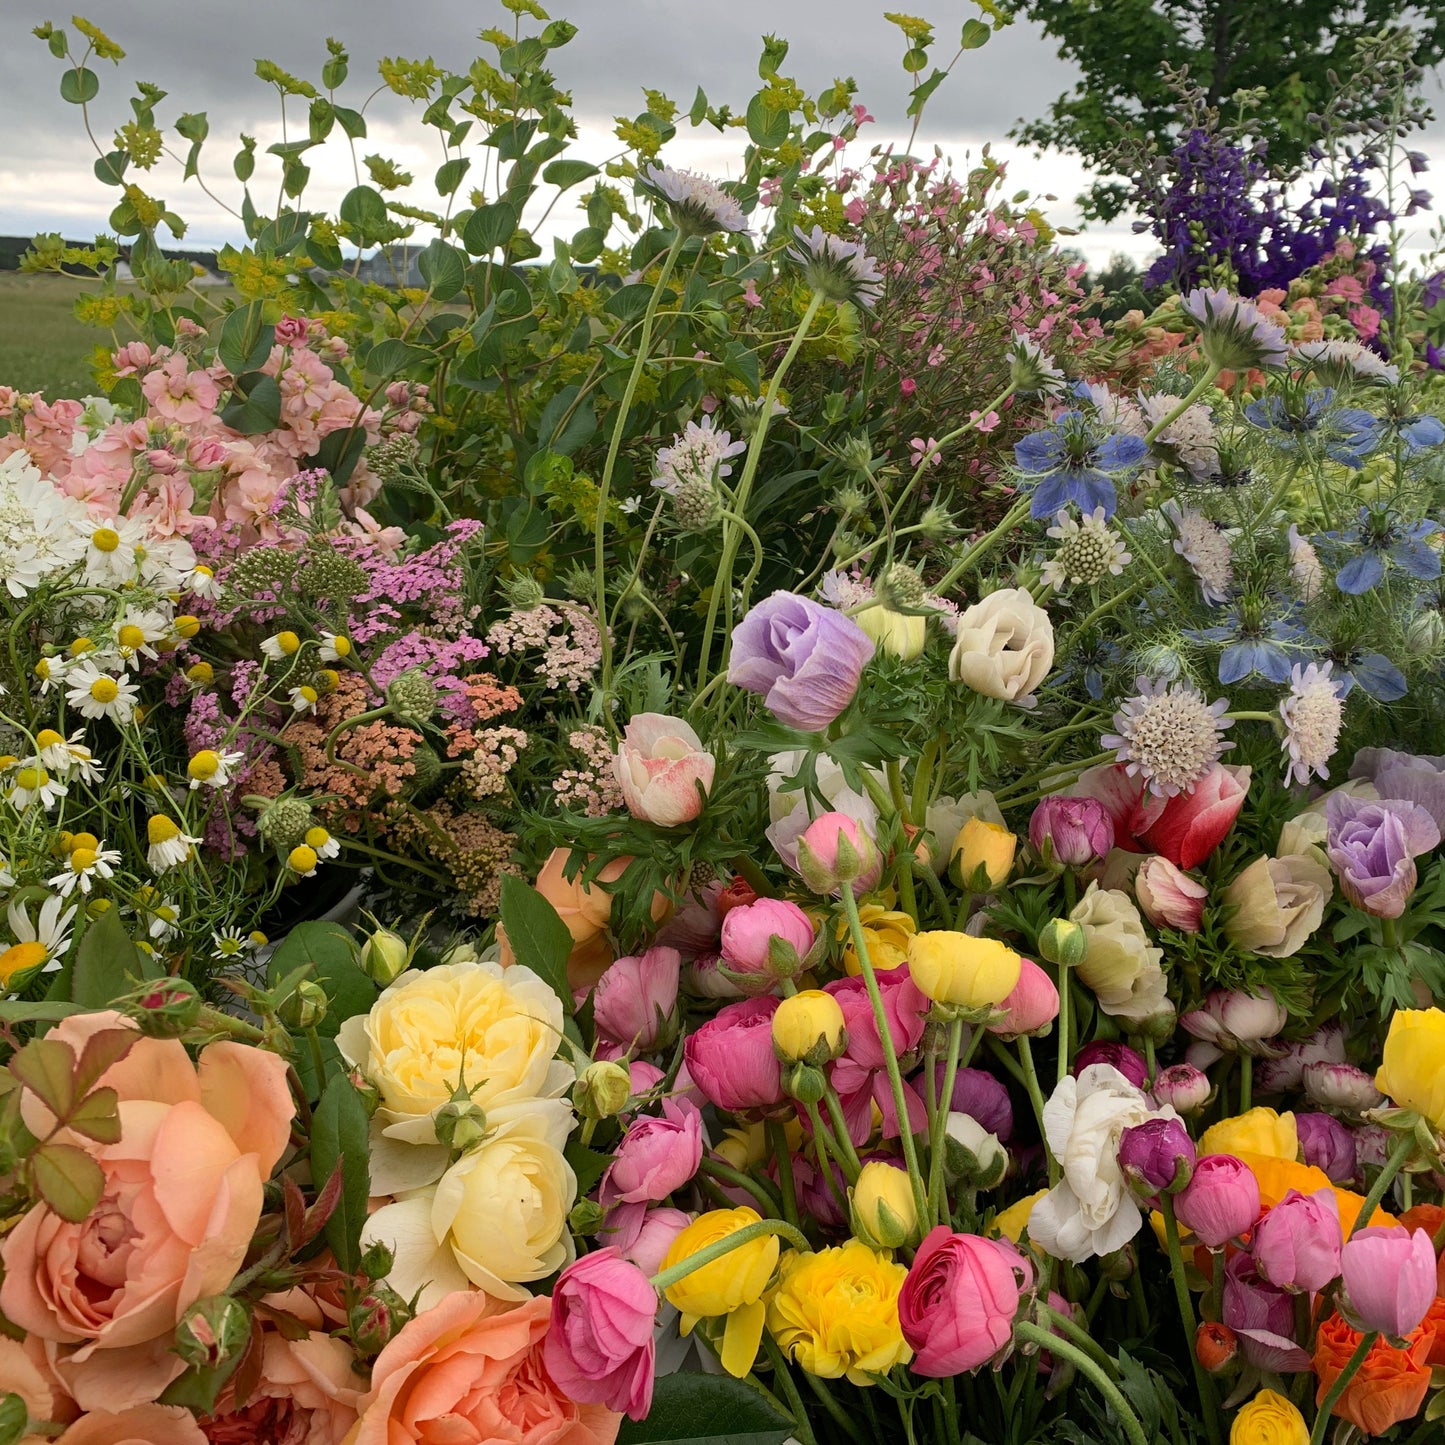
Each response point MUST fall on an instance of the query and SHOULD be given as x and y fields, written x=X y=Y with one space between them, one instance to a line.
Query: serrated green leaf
x=67 y=1179
x=97 y=1117
x=47 y=1068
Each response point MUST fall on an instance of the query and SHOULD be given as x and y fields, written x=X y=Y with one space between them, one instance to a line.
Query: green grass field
x=42 y=346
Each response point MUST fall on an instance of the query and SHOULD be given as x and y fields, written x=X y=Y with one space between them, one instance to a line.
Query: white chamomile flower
x=304 y=698
x=68 y=755
x=111 y=549
x=7 y=878
x=40 y=941
x=165 y=919
x=281 y=646
x=136 y=632
x=322 y=843
x=335 y=647
x=212 y=768
x=94 y=693
x=32 y=783
x=230 y=944
x=84 y=867
x=50 y=672
x=165 y=563
x=169 y=846
x=201 y=581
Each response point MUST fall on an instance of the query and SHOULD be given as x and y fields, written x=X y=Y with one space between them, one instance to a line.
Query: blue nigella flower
x=1372 y=673
x=1348 y=434
x=1267 y=644
x=1380 y=540
x=1073 y=461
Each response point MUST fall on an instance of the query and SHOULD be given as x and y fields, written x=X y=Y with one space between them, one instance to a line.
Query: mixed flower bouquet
x=908 y=820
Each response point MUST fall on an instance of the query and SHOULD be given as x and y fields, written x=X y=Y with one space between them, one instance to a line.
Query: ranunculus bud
x=305 y=1007
x=586 y=1218
x=1342 y=1087
x=883 y=1212
x=1296 y=1244
x=1221 y=1200
x=375 y=1318
x=1182 y=1088
x=972 y=1157
x=212 y=1331
x=1390 y=1277
x=460 y=1124
x=385 y=956
x=834 y=849
x=764 y=942
x=166 y=1009
x=1232 y=1019
x=1168 y=897
x=1326 y=1144
x=962 y=972
x=602 y=1089
x=1157 y=1157
x=808 y=1029
x=982 y=856
x=1032 y=1006
x=1129 y=1062
x=1064 y=942
x=1070 y=832
x=1215 y=1346
x=804 y=1082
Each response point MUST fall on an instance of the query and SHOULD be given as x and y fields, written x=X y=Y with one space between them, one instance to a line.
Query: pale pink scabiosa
x=1234 y=334
x=1304 y=565
x=699 y=206
x=1189 y=438
x=690 y=469
x=1338 y=362
x=838 y=269
x=1031 y=372
x=1312 y=715
x=1088 y=551
x=1169 y=736
x=1204 y=545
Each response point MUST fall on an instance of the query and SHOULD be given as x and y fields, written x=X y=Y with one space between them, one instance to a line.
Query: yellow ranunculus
x=1269 y=1419
x=1259 y=1131
x=885 y=1214
x=963 y=971
x=1412 y=1071
x=897 y=632
x=809 y=1028
x=1012 y=1222
x=983 y=852
x=836 y=1312
x=730 y=1286
x=885 y=932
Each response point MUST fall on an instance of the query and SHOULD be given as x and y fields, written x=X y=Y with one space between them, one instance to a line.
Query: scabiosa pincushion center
x=1313 y=714
x=1088 y=551
x=1169 y=736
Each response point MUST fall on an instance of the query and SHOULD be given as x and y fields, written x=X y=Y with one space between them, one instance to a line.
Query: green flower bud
x=412 y=696
x=1064 y=942
x=212 y=1331
x=375 y=1318
x=376 y=1261
x=586 y=1218
x=602 y=1090
x=166 y=1009
x=306 y=1007
x=460 y=1124
x=385 y=956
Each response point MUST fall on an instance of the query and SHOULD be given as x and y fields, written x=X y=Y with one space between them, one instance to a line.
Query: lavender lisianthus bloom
x=1372 y=846
x=802 y=658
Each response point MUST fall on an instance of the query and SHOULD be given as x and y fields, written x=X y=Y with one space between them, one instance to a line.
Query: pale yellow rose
x=1004 y=646
x=1278 y=903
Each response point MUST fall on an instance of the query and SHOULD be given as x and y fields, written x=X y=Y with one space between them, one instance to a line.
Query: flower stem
x=1327 y=1405
x=1064 y=1026
x=779 y=1145
x=937 y=1208
x=980 y=549
x=1036 y=1098
x=718 y=1248
x=1202 y=1383
x=1246 y=1082
x=1086 y=1364
x=1398 y=1155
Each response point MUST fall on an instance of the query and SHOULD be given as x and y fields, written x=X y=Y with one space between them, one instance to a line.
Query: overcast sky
x=202 y=53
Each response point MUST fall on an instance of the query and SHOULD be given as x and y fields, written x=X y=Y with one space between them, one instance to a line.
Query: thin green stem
x=1087 y=1365
x=1195 y=392
x=980 y=549
x=1398 y=1155
x=720 y=1247
x=1064 y=1024
x=940 y=1121
x=1202 y=1382
x=1036 y=1098
x=779 y=1145
x=1327 y=1405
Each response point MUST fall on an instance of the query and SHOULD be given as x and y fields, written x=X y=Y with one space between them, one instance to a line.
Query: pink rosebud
x=1342 y=1087
x=1389 y=1278
x=766 y=940
x=635 y=1001
x=1221 y=1201
x=1129 y=1062
x=833 y=850
x=1326 y=1144
x=1169 y=898
x=731 y=1058
x=1071 y=831
x=1297 y=1243
x=293 y=330
x=663 y=770
x=1192 y=825
x=599 y=1347
x=1182 y=1088
x=1031 y=1007
x=655 y=1157
x=957 y=1305
x=1156 y=1155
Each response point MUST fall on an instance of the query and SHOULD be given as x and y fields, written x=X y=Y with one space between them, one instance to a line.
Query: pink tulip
x=731 y=1059
x=1169 y=898
x=1071 y=831
x=635 y=1001
x=663 y=770
x=1297 y=1243
x=1389 y=1278
x=656 y=1156
x=1193 y=825
x=1221 y=1201
x=1031 y=1007
x=765 y=940
x=957 y=1305
x=833 y=850
x=599 y=1347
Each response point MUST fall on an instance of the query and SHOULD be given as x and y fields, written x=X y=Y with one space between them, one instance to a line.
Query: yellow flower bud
x=896 y=632
x=1412 y=1072
x=983 y=855
x=808 y=1028
x=960 y=971
x=186 y=626
x=884 y=1214
x=602 y=1089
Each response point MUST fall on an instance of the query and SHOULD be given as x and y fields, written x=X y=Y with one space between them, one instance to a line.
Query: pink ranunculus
x=1231 y=1018
x=1074 y=831
x=1296 y=1244
x=835 y=849
x=1389 y=1274
x=649 y=1236
x=663 y=769
x=1285 y=1073
x=1220 y=1202
x=656 y=1156
x=1131 y=807
x=957 y=1305
x=1031 y=1007
x=181 y=1199
x=1168 y=897
x=731 y=1059
x=1181 y=1087
x=1193 y=825
x=1262 y=1316
x=472 y=1368
x=599 y=1346
x=748 y=935
x=904 y=1007
x=635 y=1001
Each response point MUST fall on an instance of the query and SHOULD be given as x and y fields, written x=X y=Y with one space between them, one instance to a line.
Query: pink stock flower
x=635 y=1000
x=1168 y=897
x=292 y=330
x=1389 y=1275
x=731 y=1059
x=180 y=394
x=1031 y=1007
x=1220 y=1202
x=663 y=770
x=1296 y=1245
x=655 y=1157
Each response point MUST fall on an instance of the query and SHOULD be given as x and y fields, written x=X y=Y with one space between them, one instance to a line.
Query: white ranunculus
x=1004 y=646
x=1090 y=1211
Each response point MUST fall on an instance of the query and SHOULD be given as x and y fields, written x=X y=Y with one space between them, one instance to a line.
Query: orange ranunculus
x=1276 y=1177
x=1435 y=1320
x=1388 y=1387
x=140 y=1425
x=1430 y=1218
x=181 y=1199
x=471 y=1368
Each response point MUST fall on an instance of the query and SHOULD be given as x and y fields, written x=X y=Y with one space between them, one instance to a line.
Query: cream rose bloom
x=1278 y=903
x=496 y=1219
x=1090 y=1210
x=1121 y=966
x=497 y=1028
x=1004 y=646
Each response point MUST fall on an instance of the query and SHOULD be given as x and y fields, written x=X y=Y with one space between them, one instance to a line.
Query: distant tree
x=1127 y=49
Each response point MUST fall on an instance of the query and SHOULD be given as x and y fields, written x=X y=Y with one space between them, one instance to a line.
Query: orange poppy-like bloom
x=1429 y=1217
x=1435 y=1320
x=1390 y=1384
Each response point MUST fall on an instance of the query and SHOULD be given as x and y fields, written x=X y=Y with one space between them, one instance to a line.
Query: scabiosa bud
x=524 y=593
x=839 y=270
x=696 y=505
x=412 y=696
x=1156 y=1156
x=284 y=822
x=212 y=1331
x=1181 y=1087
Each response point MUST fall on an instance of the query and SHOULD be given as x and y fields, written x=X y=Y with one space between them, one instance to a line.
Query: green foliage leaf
x=450 y=174
x=339 y=1135
x=245 y=340
x=352 y=122
x=47 y=1068
x=45 y=1011
x=107 y=962
x=110 y=168
x=627 y=303
x=198 y=1387
x=562 y=433
x=67 y=1179
x=563 y=174
x=706 y=1410
x=97 y=1117
x=259 y=406
x=975 y=34
x=587 y=1164
x=539 y=938
x=490 y=227
x=365 y=208
x=443 y=268
x=325 y=949
x=389 y=357
x=767 y=125
x=79 y=85
x=102 y=1050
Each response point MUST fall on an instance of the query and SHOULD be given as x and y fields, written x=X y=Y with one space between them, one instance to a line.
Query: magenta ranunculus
x=1031 y=1007
x=1389 y=1275
x=1156 y=1155
x=860 y=1075
x=1297 y=1243
x=731 y=1059
x=983 y=1097
x=1181 y=1087
x=1221 y=1201
x=599 y=1348
x=1193 y=825
x=1262 y=1316
x=957 y=1305
x=804 y=659
x=1071 y=831
x=656 y=1156
x=1372 y=846
x=635 y=1001
x=1326 y=1144
x=749 y=933
x=663 y=769
x=1129 y=1062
